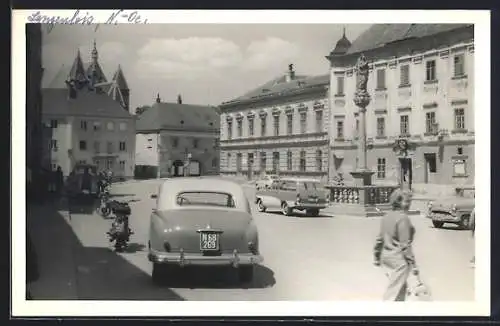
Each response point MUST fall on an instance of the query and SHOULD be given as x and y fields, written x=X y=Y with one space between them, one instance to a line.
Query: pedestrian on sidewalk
x=393 y=246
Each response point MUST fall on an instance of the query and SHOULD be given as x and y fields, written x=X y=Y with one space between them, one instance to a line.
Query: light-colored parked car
x=454 y=210
x=267 y=182
x=198 y=221
x=293 y=194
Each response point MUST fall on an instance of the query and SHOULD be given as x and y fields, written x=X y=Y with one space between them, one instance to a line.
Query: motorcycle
x=105 y=202
x=120 y=231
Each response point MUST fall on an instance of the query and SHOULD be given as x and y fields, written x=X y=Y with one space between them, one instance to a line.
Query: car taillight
x=252 y=247
x=167 y=247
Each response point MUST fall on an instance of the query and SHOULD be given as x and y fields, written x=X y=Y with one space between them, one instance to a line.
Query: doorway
x=178 y=167
x=406 y=173
x=430 y=167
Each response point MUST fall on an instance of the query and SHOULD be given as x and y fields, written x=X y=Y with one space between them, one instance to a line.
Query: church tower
x=94 y=72
x=120 y=83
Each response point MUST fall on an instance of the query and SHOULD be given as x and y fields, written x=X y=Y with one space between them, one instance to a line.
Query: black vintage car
x=74 y=182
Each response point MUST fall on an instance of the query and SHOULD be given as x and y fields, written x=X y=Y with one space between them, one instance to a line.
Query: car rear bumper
x=309 y=206
x=185 y=259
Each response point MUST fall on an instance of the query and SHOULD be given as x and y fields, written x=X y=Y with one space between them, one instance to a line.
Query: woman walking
x=393 y=246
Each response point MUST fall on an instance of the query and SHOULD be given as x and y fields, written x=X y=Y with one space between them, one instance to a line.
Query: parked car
x=293 y=194
x=455 y=210
x=74 y=181
x=267 y=181
x=199 y=222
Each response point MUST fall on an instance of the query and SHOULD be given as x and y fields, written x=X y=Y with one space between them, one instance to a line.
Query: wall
x=146 y=152
x=63 y=134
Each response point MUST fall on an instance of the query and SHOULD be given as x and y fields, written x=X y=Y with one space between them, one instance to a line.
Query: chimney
x=179 y=99
x=158 y=99
x=290 y=74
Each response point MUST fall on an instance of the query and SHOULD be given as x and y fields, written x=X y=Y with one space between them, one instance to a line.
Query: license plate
x=440 y=217
x=209 y=241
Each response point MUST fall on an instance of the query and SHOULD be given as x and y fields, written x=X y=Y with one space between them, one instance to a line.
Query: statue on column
x=362 y=74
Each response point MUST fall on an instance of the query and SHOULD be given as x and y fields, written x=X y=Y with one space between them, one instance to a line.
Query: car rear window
x=192 y=198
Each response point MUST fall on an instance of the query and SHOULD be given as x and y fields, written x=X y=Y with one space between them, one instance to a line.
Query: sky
x=206 y=63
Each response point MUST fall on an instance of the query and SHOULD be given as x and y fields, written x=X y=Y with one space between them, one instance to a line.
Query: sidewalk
x=54 y=242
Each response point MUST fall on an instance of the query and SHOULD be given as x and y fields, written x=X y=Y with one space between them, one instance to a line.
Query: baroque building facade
x=88 y=119
x=420 y=122
x=177 y=139
x=278 y=128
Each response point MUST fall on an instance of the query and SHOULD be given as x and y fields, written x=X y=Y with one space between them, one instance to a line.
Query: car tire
x=285 y=209
x=312 y=212
x=245 y=274
x=437 y=224
x=260 y=206
x=159 y=274
x=464 y=222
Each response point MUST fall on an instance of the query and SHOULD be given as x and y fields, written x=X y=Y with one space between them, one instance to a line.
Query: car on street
x=453 y=210
x=293 y=194
x=266 y=182
x=198 y=221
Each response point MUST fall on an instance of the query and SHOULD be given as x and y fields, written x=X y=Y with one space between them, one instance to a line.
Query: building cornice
x=177 y=129
x=258 y=146
x=276 y=138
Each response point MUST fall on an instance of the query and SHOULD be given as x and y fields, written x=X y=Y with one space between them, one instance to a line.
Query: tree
x=141 y=109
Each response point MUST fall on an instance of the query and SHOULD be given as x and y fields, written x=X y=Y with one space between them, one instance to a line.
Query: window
x=460 y=119
x=381 y=168
x=276 y=125
x=239 y=127
x=97 y=147
x=340 y=129
x=229 y=160
x=110 y=147
x=459 y=168
x=53 y=124
x=122 y=165
x=123 y=126
x=404 y=125
x=263 y=126
x=276 y=162
x=459 y=65
x=196 y=143
x=460 y=151
x=83 y=125
x=109 y=164
x=263 y=161
x=319 y=121
x=175 y=142
x=404 y=77
x=250 y=127
x=289 y=124
x=83 y=145
x=430 y=122
x=97 y=126
x=53 y=145
x=319 y=160
x=430 y=70
x=303 y=122
x=340 y=85
x=214 y=162
x=229 y=129
x=381 y=79
x=289 y=185
x=123 y=146
x=111 y=126
x=380 y=127
x=302 y=162
x=289 y=160
x=250 y=159
x=206 y=198
x=238 y=162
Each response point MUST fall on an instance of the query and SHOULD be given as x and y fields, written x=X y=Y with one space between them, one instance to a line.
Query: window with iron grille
x=302 y=163
x=381 y=79
x=459 y=65
x=404 y=77
x=289 y=124
x=276 y=120
x=381 y=168
x=404 y=125
x=459 y=118
x=289 y=164
x=250 y=127
x=430 y=122
x=340 y=129
x=303 y=122
x=380 y=127
x=239 y=126
x=263 y=161
x=238 y=162
x=340 y=85
x=229 y=130
x=319 y=160
x=319 y=121
x=263 y=126
x=430 y=70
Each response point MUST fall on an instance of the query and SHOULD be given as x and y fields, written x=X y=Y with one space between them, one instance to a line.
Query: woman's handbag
x=418 y=290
